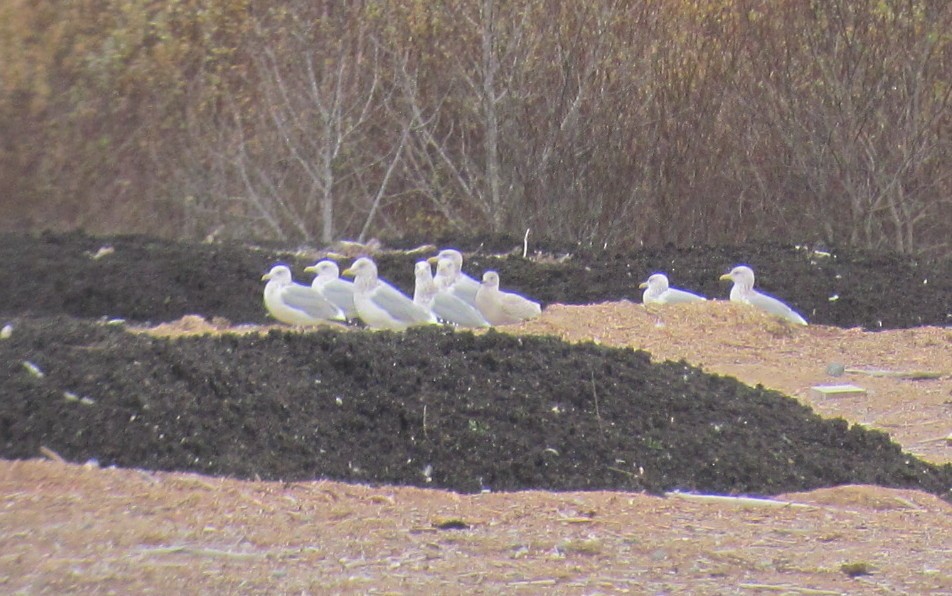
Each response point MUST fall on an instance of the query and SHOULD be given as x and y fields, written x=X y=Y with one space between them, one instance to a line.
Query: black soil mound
x=429 y=407
x=145 y=279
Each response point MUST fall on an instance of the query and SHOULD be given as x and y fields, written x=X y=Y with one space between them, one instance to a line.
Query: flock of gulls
x=657 y=291
x=449 y=296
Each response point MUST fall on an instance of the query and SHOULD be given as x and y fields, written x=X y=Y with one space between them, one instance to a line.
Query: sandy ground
x=68 y=528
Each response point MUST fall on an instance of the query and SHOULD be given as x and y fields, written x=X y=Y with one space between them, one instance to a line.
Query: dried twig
x=738 y=500
x=534 y=582
x=211 y=552
x=786 y=588
x=911 y=375
x=942 y=439
x=595 y=394
x=52 y=455
x=424 y=422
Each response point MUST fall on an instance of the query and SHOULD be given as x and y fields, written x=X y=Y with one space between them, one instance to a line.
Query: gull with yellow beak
x=296 y=304
x=380 y=305
x=339 y=292
x=743 y=292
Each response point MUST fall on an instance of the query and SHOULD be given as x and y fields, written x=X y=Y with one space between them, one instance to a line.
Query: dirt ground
x=113 y=391
x=65 y=527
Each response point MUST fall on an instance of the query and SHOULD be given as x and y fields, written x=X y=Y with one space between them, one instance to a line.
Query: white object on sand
x=657 y=291
x=743 y=292
x=503 y=308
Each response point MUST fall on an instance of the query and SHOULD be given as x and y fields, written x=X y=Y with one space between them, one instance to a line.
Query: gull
x=424 y=288
x=658 y=292
x=445 y=305
x=463 y=286
x=503 y=308
x=339 y=292
x=379 y=304
x=296 y=304
x=743 y=292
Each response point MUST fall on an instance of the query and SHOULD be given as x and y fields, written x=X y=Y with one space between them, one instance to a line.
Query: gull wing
x=775 y=307
x=453 y=309
x=465 y=289
x=676 y=296
x=398 y=306
x=310 y=302
x=341 y=294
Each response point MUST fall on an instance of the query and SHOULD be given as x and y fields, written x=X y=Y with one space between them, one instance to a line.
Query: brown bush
x=617 y=123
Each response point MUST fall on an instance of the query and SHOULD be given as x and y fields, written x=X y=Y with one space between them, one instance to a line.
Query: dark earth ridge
x=429 y=407
x=152 y=280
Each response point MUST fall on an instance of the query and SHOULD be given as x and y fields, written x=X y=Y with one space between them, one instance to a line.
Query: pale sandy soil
x=67 y=528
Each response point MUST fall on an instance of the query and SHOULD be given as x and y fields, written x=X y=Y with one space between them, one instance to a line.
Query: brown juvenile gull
x=657 y=291
x=337 y=291
x=503 y=308
x=743 y=292
x=463 y=286
x=296 y=304
x=380 y=305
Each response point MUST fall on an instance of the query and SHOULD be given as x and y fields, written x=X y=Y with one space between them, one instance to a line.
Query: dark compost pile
x=429 y=407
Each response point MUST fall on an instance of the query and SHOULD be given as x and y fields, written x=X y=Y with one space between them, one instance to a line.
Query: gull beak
x=433 y=260
x=266 y=277
x=349 y=272
x=643 y=285
x=310 y=269
x=726 y=277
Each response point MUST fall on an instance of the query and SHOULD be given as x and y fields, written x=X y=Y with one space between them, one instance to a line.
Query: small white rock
x=33 y=369
x=103 y=251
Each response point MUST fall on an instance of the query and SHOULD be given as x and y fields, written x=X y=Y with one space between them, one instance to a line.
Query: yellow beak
x=643 y=285
x=433 y=260
x=266 y=277
x=310 y=269
x=348 y=272
x=726 y=277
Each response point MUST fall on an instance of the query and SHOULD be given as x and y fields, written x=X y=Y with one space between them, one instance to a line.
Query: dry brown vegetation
x=620 y=122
